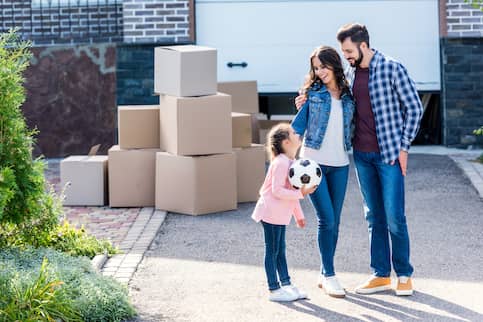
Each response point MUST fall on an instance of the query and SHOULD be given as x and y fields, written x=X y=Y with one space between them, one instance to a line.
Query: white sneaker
x=331 y=286
x=300 y=293
x=282 y=295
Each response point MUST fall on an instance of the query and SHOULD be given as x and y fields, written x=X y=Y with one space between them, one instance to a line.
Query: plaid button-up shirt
x=395 y=103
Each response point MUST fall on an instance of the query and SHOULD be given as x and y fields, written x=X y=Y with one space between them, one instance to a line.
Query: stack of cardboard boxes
x=132 y=162
x=245 y=131
x=190 y=154
x=197 y=173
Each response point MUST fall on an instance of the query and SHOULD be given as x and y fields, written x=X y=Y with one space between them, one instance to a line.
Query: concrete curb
x=98 y=261
x=123 y=266
x=472 y=169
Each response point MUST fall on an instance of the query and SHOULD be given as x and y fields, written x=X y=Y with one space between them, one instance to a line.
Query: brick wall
x=462 y=94
x=64 y=22
x=157 y=21
x=463 y=20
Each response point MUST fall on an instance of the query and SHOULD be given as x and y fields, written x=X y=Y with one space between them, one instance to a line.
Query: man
x=387 y=118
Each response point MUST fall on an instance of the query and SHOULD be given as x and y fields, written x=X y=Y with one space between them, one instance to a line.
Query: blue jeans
x=382 y=188
x=275 y=260
x=327 y=201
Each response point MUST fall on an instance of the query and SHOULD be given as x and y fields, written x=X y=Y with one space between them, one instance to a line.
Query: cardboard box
x=131 y=177
x=185 y=70
x=196 y=185
x=255 y=129
x=250 y=168
x=241 y=129
x=87 y=178
x=244 y=95
x=195 y=125
x=138 y=127
x=266 y=125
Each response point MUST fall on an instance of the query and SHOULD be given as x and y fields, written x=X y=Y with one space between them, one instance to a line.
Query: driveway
x=210 y=268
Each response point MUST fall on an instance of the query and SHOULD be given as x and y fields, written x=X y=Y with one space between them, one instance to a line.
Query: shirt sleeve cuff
x=405 y=145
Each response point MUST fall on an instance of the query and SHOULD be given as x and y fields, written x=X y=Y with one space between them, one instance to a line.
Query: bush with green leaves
x=61 y=283
x=29 y=208
x=25 y=206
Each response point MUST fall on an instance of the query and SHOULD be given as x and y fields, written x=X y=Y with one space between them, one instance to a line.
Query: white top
x=331 y=152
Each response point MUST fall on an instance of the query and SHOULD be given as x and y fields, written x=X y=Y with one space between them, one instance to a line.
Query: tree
x=25 y=204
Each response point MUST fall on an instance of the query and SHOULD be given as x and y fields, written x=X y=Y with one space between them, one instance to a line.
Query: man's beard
x=358 y=61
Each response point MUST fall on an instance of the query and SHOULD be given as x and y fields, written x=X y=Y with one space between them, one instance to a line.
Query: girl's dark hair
x=355 y=31
x=275 y=137
x=329 y=58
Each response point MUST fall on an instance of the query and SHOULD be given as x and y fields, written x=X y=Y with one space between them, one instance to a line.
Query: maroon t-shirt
x=365 y=139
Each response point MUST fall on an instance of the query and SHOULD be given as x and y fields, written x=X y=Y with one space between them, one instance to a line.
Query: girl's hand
x=301 y=223
x=307 y=191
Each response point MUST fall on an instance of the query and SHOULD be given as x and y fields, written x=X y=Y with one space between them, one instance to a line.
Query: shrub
x=25 y=206
x=77 y=242
x=93 y=296
x=40 y=298
x=29 y=210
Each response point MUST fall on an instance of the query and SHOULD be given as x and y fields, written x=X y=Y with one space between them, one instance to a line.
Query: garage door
x=270 y=41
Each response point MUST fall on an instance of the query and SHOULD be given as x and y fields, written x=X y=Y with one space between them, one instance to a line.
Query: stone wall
x=71 y=98
x=462 y=92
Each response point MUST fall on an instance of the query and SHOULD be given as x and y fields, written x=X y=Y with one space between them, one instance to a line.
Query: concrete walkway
x=210 y=268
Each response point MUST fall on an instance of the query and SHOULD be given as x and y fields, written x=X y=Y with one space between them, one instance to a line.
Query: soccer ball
x=304 y=172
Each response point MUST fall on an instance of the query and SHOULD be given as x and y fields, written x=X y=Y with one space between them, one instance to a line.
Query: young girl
x=277 y=204
x=325 y=119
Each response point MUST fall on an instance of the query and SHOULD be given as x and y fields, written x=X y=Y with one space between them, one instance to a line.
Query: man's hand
x=301 y=223
x=299 y=101
x=403 y=161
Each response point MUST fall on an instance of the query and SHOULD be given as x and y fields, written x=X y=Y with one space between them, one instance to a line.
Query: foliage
x=78 y=288
x=479 y=132
x=29 y=211
x=77 y=242
x=41 y=298
x=477 y=4
x=24 y=201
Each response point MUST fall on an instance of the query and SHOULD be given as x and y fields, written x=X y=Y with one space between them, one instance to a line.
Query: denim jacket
x=313 y=117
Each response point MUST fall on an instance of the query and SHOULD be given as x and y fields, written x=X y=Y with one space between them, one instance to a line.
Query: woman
x=325 y=122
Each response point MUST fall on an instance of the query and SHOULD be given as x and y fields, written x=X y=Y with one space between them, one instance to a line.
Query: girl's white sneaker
x=282 y=295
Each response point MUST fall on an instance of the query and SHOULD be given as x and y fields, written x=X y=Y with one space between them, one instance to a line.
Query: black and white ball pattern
x=304 y=172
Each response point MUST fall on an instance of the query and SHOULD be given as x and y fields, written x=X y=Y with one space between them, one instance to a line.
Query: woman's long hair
x=329 y=57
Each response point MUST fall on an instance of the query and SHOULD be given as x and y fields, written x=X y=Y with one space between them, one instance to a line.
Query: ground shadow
x=406 y=313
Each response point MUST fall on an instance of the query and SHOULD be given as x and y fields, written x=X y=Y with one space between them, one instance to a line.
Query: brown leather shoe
x=404 y=286
x=374 y=284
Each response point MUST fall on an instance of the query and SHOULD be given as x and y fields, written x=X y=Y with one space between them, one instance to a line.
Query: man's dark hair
x=355 y=31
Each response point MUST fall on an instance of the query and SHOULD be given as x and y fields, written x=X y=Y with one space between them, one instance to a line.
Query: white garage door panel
x=275 y=38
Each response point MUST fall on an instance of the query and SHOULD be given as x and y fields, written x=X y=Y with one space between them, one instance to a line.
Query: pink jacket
x=278 y=201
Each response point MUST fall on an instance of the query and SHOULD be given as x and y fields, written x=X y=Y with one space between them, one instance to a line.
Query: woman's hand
x=307 y=191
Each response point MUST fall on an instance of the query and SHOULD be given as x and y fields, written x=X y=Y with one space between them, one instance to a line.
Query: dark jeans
x=382 y=187
x=327 y=201
x=275 y=260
